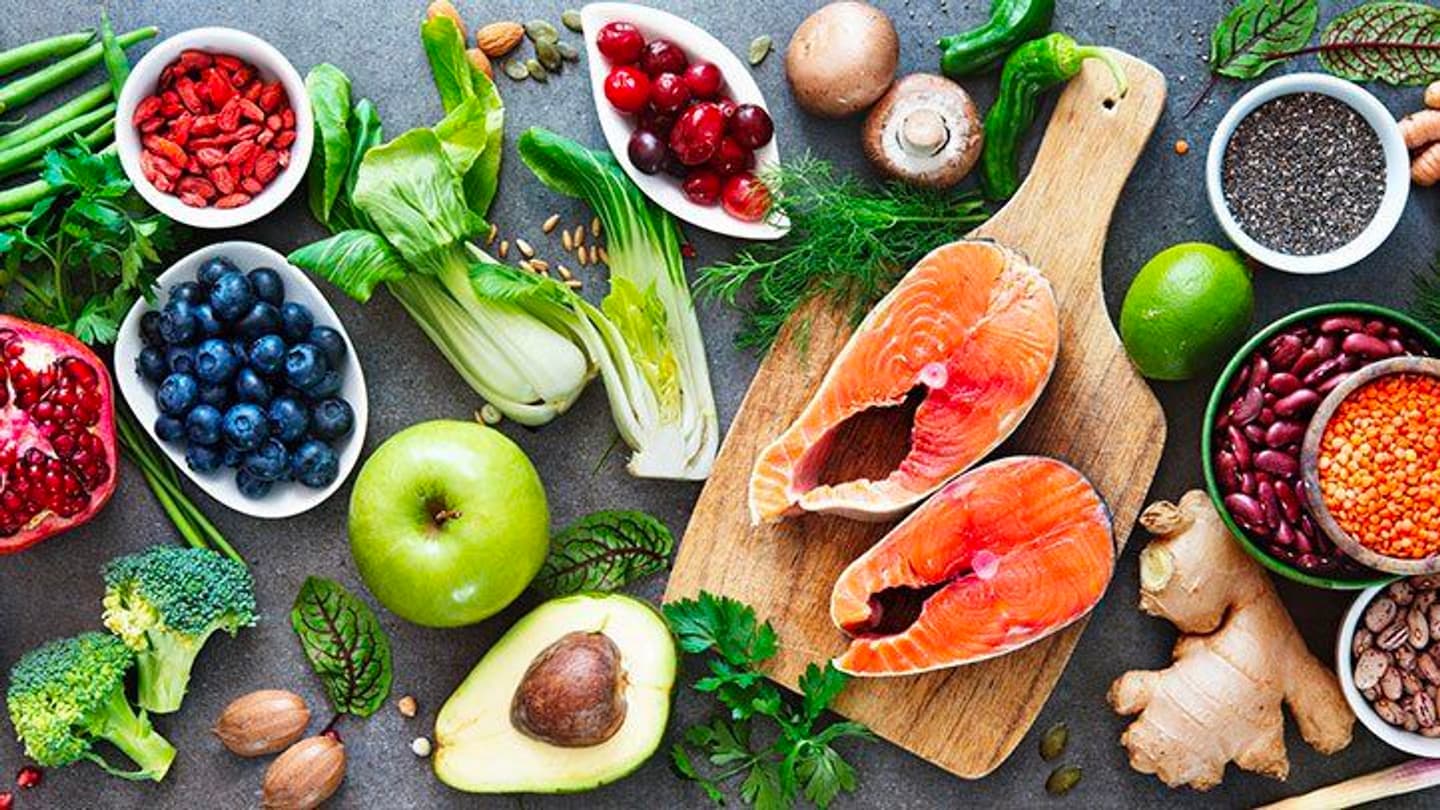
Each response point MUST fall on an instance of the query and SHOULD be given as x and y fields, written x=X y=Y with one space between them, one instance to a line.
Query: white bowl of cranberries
x=684 y=117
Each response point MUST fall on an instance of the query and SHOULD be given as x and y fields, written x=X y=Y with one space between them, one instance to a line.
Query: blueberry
x=331 y=419
x=262 y=319
x=187 y=291
x=202 y=424
x=250 y=486
x=251 y=387
x=203 y=458
x=245 y=427
x=150 y=329
x=269 y=462
x=215 y=362
x=267 y=354
x=296 y=321
x=268 y=285
x=169 y=429
x=241 y=348
x=331 y=343
x=288 y=419
x=233 y=457
x=178 y=324
x=151 y=364
x=180 y=359
x=216 y=394
x=305 y=365
x=209 y=325
x=213 y=269
x=232 y=296
x=177 y=394
x=328 y=386
x=315 y=464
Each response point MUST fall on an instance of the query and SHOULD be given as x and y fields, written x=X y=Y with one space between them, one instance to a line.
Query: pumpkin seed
x=567 y=51
x=1062 y=780
x=536 y=70
x=760 y=48
x=571 y=18
x=1053 y=743
x=549 y=55
x=541 y=31
x=515 y=70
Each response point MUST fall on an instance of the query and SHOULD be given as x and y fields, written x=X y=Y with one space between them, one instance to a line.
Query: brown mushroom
x=842 y=58
x=573 y=693
x=925 y=131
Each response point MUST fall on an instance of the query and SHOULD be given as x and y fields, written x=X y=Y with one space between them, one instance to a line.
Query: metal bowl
x=1310 y=466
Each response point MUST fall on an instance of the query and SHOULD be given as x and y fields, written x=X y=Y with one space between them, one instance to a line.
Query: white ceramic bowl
x=272 y=65
x=1397 y=172
x=286 y=499
x=1407 y=741
x=663 y=189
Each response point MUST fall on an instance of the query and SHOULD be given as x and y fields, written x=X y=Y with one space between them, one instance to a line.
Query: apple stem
x=446 y=515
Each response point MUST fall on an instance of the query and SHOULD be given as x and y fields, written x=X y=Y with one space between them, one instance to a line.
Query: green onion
x=42 y=81
x=51 y=48
x=14 y=159
x=81 y=104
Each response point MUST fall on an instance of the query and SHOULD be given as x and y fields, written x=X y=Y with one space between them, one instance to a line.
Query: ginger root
x=1239 y=657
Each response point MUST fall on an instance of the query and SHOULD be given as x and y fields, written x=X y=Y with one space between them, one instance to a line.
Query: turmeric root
x=1432 y=95
x=1239 y=658
x=1425 y=166
x=1420 y=128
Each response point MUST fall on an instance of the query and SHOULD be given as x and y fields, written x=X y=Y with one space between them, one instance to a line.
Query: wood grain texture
x=1097 y=414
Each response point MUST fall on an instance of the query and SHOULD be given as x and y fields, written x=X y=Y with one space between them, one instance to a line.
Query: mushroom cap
x=925 y=131
x=842 y=58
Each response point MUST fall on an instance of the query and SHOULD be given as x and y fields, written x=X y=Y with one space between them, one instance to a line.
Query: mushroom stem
x=923 y=132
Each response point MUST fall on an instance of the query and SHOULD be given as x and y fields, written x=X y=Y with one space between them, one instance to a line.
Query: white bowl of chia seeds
x=1308 y=173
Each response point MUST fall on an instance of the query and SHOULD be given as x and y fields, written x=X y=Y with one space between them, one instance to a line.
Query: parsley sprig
x=800 y=760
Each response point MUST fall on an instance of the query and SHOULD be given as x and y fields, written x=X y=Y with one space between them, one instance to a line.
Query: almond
x=444 y=8
x=498 y=39
x=479 y=61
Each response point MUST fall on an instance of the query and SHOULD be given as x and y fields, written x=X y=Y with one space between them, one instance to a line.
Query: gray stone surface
x=53 y=589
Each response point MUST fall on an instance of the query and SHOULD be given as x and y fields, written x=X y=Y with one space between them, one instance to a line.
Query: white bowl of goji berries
x=214 y=127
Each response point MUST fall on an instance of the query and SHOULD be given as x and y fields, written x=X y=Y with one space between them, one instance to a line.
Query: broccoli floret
x=69 y=693
x=165 y=602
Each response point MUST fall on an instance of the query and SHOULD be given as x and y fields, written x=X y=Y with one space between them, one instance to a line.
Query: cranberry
x=746 y=198
x=663 y=56
x=674 y=167
x=703 y=79
x=647 y=151
x=628 y=89
x=752 y=126
x=727 y=108
x=620 y=42
x=656 y=121
x=668 y=93
x=697 y=133
x=731 y=158
x=702 y=187
x=29 y=777
x=7 y=800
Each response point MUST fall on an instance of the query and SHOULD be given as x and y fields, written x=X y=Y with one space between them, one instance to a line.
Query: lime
x=1186 y=310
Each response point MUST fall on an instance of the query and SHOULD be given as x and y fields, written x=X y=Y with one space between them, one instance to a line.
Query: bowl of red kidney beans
x=1256 y=421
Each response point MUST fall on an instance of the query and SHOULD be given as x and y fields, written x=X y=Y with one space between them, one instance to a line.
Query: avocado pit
x=573 y=693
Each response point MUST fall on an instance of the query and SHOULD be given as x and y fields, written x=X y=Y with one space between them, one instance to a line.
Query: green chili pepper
x=1011 y=23
x=1032 y=69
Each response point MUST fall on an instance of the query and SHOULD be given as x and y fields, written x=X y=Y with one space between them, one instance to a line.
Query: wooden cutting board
x=1097 y=414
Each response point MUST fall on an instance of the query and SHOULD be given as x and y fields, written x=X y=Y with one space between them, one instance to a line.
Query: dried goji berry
x=205 y=125
x=167 y=76
x=227 y=62
x=267 y=166
x=218 y=88
x=251 y=111
x=284 y=139
x=233 y=200
x=223 y=179
x=241 y=152
x=185 y=88
x=180 y=128
x=169 y=108
x=283 y=156
x=253 y=90
x=196 y=185
x=193 y=200
x=209 y=158
x=287 y=118
x=167 y=149
x=252 y=185
x=194 y=60
x=265 y=137
x=147 y=166
x=272 y=122
x=148 y=108
x=165 y=167
x=271 y=96
x=163 y=183
x=153 y=125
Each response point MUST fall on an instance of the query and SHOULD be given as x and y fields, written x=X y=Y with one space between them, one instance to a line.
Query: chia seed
x=1304 y=174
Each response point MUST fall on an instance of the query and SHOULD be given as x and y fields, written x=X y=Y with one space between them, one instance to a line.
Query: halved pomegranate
x=57 y=433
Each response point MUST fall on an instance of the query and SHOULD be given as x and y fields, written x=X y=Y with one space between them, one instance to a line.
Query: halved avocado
x=576 y=695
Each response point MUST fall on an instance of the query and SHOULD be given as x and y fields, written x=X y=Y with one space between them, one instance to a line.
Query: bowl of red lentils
x=214 y=127
x=1371 y=464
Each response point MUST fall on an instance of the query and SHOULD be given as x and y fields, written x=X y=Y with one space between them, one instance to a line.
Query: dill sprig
x=1427 y=296
x=849 y=243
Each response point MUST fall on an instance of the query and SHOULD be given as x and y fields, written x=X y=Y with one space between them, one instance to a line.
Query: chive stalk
x=29 y=87
x=63 y=114
x=41 y=49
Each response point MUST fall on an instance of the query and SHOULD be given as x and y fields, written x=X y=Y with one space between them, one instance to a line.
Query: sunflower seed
x=760 y=48
x=536 y=70
x=1062 y=780
x=525 y=248
x=595 y=226
x=571 y=18
x=541 y=31
x=566 y=240
x=567 y=51
x=504 y=248
x=490 y=237
x=1053 y=743
x=516 y=70
x=549 y=55
x=550 y=223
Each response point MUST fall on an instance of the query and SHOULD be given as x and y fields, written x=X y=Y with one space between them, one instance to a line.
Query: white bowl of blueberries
x=243 y=373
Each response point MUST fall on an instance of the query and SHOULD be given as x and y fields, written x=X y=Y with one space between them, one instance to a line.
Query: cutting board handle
x=1090 y=147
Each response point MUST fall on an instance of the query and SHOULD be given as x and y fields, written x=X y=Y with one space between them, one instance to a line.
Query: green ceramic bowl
x=1217 y=396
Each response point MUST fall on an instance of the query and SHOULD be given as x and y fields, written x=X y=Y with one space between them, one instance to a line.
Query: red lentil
x=1380 y=466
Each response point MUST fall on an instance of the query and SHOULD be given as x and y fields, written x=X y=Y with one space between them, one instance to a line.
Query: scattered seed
x=525 y=248
x=586 y=256
x=1182 y=146
x=490 y=237
x=595 y=226
x=540 y=265
x=568 y=52
x=1062 y=780
x=603 y=257
x=564 y=272
x=420 y=746
x=541 y=31
x=548 y=54
x=579 y=235
x=567 y=241
x=504 y=248
x=536 y=70
x=407 y=706
x=687 y=250
x=1053 y=743
x=571 y=19
x=516 y=70
x=550 y=223
x=490 y=415
x=524 y=264
x=573 y=284
x=760 y=48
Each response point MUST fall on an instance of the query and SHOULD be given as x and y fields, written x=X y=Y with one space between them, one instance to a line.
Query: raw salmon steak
x=974 y=329
x=1002 y=557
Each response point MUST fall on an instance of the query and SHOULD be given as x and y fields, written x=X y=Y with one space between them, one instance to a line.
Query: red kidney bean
x=1285 y=534
x=1366 y=346
x=1396 y=346
x=1259 y=371
x=1301 y=401
x=1375 y=328
x=1285 y=350
x=1238 y=382
x=1269 y=507
x=1240 y=446
x=1246 y=510
x=1267 y=416
x=1333 y=383
x=1227 y=470
x=1284 y=383
x=1323 y=371
x=1283 y=433
x=1247 y=483
x=1254 y=433
x=1276 y=463
x=1341 y=323
x=1248 y=407
x=1309 y=359
x=1327 y=347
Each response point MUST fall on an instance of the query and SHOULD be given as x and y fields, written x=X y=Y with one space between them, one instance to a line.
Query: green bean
x=14 y=218
x=23 y=198
x=75 y=107
x=13 y=160
x=115 y=62
x=51 y=48
x=25 y=89
x=102 y=134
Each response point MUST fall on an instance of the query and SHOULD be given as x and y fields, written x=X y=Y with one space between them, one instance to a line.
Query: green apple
x=448 y=523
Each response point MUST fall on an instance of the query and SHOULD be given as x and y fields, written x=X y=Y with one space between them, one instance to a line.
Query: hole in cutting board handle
x=1108 y=104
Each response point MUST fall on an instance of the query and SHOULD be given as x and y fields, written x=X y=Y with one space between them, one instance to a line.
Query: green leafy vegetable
x=345 y=645
x=848 y=244
x=1398 y=43
x=604 y=551
x=459 y=83
x=801 y=761
x=1259 y=34
x=329 y=91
